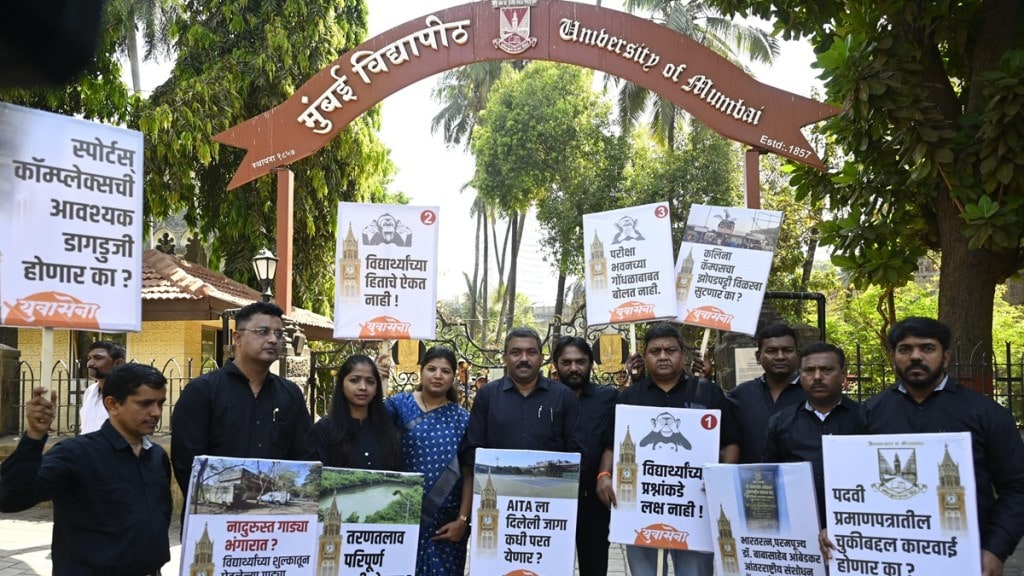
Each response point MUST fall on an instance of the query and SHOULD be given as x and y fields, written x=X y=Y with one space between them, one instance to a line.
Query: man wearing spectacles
x=242 y=410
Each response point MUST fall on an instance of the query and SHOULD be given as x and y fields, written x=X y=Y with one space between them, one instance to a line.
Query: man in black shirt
x=573 y=359
x=666 y=384
x=924 y=399
x=523 y=410
x=242 y=410
x=111 y=489
x=754 y=401
x=794 y=432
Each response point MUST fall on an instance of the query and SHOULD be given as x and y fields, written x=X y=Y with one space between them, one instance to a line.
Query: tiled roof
x=168 y=278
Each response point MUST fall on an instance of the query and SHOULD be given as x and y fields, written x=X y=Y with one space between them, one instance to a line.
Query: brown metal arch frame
x=708 y=86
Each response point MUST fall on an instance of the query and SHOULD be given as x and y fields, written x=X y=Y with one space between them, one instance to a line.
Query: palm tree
x=156 y=20
x=700 y=22
x=463 y=94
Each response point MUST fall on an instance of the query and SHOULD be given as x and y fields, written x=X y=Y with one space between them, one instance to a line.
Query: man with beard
x=667 y=385
x=794 y=432
x=522 y=410
x=102 y=357
x=924 y=400
x=755 y=401
x=242 y=410
x=573 y=359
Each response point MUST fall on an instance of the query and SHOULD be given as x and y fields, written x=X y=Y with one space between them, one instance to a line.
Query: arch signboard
x=696 y=79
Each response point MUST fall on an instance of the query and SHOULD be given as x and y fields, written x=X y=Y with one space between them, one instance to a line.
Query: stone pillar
x=10 y=390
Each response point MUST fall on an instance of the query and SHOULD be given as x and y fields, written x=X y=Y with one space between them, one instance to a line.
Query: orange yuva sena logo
x=662 y=536
x=632 y=311
x=710 y=317
x=522 y=572
x=52 y=310
x=384 y=327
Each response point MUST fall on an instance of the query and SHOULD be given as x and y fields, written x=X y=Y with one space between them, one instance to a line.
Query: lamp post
x=265 y=266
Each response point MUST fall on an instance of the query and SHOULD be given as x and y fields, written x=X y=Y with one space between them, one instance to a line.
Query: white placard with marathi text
x=658 y=476
x=628 y=265
x=524 y=512
x=70 y=222
x=723 y=265
x=386 y=272
x=902 y=504
x=248 y=515
x=763 y=519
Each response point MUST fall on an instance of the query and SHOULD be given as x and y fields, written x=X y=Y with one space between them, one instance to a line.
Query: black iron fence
x=999 y=375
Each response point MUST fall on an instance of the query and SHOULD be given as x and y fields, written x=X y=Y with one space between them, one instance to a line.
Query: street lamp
x=265 y=266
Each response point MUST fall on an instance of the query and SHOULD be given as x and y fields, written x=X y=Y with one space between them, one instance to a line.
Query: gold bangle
x=600 y=474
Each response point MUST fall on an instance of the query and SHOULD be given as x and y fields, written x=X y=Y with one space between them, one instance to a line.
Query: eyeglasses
x=264 y=331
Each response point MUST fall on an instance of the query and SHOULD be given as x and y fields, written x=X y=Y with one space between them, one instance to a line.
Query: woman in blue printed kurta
x=432 y=425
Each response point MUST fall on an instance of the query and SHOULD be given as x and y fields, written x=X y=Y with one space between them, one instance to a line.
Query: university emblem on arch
x=514 y=31
x=897 y=473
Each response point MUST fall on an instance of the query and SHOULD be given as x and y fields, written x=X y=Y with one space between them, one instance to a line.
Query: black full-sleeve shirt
x=111 y=509
x=689 y=392
x=794 y=435
x=597 y=413
x=218 y=415
x=753 y=406
x=545 y=419
x=995 y=441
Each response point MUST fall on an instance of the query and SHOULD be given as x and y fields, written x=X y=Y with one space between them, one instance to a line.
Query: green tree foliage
x=404 y=509
x=929 y=154
x=237 y=59
x=703 y=168
x=542 y=127
x=154 y=20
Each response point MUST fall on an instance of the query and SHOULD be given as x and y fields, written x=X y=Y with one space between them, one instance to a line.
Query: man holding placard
x=925 y=400
x=794 y=433
x=667 y=385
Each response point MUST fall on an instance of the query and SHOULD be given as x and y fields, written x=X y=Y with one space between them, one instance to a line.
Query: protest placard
x=902 y=504
x=386 y=274
x=524 y=506
x=658 y=477
x=70 y=222
x=764 y=519
x=723 y=264
x=628 y=260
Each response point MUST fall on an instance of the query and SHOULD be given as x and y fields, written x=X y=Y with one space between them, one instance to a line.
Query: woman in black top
x=358 y=432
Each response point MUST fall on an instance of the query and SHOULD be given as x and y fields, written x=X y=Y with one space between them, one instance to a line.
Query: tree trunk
x=485 y=294
x=967 y=285
x=133 y=51
x=513 y=266
x=559 y=300
x=474 y=312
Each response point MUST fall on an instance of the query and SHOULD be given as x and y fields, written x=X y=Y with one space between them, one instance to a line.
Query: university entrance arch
x=712 y=89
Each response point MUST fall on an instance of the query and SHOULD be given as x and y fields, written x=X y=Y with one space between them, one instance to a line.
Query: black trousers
x=592 y=519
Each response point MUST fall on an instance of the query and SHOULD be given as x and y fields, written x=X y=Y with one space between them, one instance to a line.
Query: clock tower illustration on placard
x=727 y=544
x=625 y=469
x=329 y=548
x=684 y=279
x=348 y=267
x=951 y=496
x=598 y=265
x=487 y=517
x=202 y=558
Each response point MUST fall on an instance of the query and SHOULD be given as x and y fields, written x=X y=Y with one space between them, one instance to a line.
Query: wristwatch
x=464 y=518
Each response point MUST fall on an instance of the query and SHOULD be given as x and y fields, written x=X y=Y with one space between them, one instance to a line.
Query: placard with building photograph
x=524 y=512
x=723 y=264
x=763 y=519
